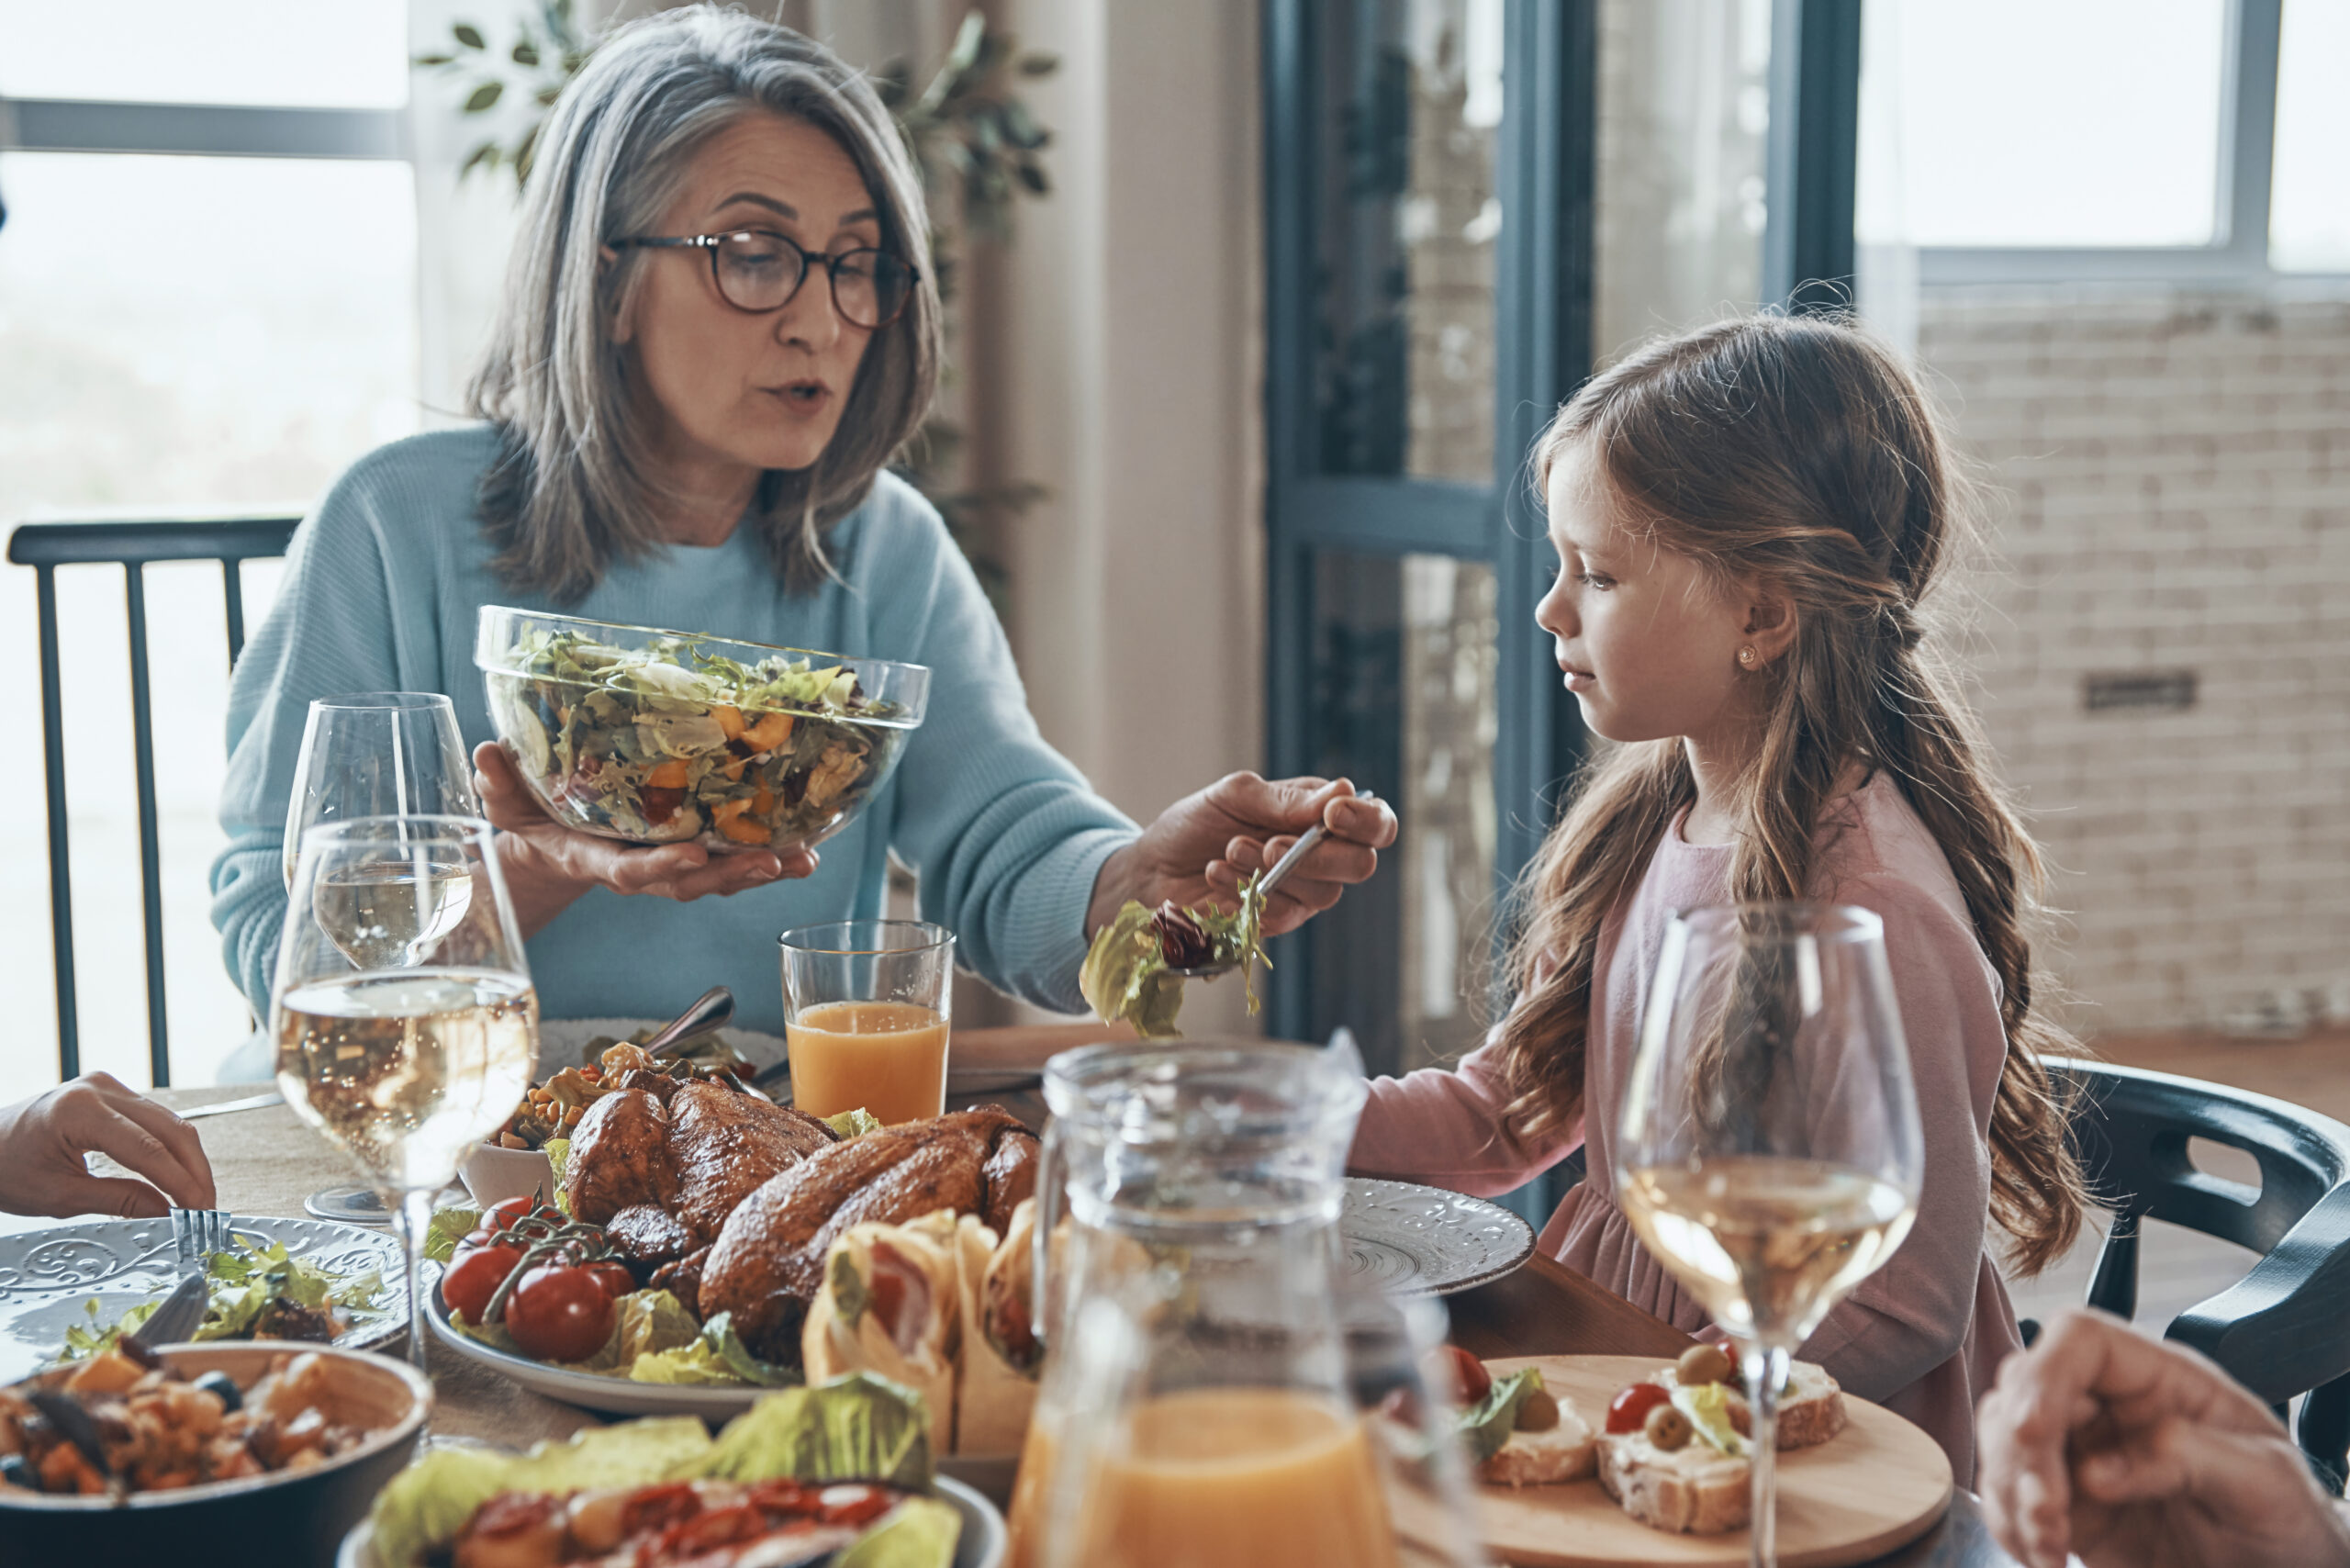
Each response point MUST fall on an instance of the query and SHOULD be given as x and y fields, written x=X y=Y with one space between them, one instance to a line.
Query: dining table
x=265 y=1161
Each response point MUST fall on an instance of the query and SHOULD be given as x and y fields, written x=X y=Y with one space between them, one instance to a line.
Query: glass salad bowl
x=670 y=737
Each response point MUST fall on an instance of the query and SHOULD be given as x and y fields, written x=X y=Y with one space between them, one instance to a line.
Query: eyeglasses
x=757 y=271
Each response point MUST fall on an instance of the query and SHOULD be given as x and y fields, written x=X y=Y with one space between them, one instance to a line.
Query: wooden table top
x=268 y=1161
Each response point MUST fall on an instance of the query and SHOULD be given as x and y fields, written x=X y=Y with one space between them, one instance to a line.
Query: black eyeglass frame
x=709 y=243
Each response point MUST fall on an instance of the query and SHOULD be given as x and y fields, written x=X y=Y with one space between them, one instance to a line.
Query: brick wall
x=2175 y=508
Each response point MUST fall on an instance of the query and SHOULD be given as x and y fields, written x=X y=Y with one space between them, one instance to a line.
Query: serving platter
x=589 y=1391
x=981 y=1544
x=1875 y=1487
x=1407 y=1239
x=49 y=1276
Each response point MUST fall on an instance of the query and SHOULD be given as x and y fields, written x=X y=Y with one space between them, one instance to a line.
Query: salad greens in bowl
x=667 y=737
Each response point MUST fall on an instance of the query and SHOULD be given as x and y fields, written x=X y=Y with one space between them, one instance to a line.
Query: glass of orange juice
x=865 y=1006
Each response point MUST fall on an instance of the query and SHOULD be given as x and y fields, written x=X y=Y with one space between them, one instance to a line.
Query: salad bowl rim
x=484 y=664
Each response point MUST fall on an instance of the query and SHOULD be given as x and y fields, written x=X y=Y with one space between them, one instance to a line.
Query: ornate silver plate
x=1407 y=1239
x=48 y=1276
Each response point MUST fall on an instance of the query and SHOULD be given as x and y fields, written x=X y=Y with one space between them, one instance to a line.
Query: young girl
x=1747 y=517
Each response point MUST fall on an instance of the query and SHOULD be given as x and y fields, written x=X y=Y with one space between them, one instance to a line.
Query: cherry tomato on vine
x=501 y=1214
x=614 y=1277
x=559 y=1312
x=473 y=1275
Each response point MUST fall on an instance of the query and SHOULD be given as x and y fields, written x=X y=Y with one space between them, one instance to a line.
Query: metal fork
x=197 y=1233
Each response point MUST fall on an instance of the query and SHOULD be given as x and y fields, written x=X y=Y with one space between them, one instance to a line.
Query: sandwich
x=1520 y=1434
x=890 y=1304
x=1674 y=1455
x=996 y=1379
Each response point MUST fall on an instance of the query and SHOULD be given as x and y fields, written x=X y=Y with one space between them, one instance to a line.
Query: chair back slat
x=151 y=860
x=45 y=546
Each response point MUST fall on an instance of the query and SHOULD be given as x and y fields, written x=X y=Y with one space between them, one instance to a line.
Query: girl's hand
x=548 y=865
x=1203 y=846
x=42 y=1141
x=2129 y=1451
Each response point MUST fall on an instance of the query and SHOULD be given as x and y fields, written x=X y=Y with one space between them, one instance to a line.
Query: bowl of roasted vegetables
x=194 y=1453
x=668 y=737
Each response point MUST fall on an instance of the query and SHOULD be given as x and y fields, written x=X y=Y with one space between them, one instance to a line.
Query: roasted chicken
x=769 y=1261
x=661 y=1164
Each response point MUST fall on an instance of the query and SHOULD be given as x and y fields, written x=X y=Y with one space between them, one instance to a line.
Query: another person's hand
x=42 y=1141
x=1203 y=846
x=2138 y=1454
x=548 y=865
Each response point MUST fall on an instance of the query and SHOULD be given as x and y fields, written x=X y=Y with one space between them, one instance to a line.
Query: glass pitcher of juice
x=1211 y=1396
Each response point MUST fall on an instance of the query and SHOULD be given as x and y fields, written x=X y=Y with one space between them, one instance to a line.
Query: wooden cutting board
x=1876 y=1486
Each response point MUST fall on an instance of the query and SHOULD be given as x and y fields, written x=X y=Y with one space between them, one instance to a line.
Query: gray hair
x=572 y=487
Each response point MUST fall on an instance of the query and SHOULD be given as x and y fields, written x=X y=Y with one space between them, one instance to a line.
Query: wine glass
x=374 y=754
x=368 y=754
x=405 y=1034
x=1769 y=1152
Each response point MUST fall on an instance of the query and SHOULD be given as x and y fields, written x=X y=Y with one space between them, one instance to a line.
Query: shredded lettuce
x=715 y=1355
x=1127 y=974
x=859 y=1427
x=244 y=1281
x=449 y=1226
x=558 y=1153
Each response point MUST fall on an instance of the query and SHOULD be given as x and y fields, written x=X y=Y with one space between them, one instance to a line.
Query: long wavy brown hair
x=1798 y=452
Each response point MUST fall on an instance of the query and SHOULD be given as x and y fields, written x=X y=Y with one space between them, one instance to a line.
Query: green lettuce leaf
x=426 y=1504
x=1486 y=1425
x=853 y=1124
x=714 y=1356
x=919 y=1532
x=859 y=1427
x=648 y=1323
x=449 y=1226
x=558 y=1153
x=1125 y=975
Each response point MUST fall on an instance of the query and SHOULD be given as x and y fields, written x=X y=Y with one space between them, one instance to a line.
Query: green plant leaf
x=484 y=97
x=968 y=38
x=1039 y=65
x=434 y=59
x=526 y=53
x=485 y=156
x=469 y=35
x=547 y=95
x=1033 y=177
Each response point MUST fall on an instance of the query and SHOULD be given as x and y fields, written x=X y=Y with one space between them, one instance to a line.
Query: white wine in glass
x=407 y=1062
x=374 y=754
x=1769 y=1152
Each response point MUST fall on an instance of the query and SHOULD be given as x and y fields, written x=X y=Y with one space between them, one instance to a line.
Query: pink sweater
x=1923 y=1335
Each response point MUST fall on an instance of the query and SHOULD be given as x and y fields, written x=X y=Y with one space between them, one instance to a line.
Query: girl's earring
x=1747 y=656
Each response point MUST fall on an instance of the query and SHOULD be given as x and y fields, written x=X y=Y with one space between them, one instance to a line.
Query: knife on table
x=253 y=1103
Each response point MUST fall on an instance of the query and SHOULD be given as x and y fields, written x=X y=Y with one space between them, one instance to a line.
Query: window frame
x=2239 y=253
x=203 y=130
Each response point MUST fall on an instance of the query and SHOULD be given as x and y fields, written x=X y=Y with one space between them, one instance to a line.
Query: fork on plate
x=197 y=1234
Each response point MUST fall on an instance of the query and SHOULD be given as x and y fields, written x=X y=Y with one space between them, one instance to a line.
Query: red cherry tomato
x=1472 y=1381
x=502 y=1215
x=558 y=1313
x=614 y=1277
x=1630 y=1409
x=474 y=1274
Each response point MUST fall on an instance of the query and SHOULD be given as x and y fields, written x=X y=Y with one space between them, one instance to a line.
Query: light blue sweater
x=381 y=591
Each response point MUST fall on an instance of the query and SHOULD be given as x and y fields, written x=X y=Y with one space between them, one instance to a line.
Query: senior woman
x=719 y=324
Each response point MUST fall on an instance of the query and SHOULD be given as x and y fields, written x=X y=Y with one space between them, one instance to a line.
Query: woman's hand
x=42 y=1141
x=2138 y=1454
x=548 y=865
x=1203 y=846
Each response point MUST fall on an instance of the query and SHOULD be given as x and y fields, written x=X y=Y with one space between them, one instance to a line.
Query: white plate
x=46 y=1276
x=981 y=1544
x=589 y=1391
x=1407 y=1239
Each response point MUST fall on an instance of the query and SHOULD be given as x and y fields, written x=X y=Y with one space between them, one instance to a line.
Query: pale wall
x=2176 y=469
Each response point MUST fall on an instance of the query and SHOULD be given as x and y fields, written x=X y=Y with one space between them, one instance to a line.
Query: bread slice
x=1568 y=1451
x=1811 y=1411
x=1694 y=1490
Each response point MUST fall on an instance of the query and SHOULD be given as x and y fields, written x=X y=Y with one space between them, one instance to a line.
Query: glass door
x=1428 y=177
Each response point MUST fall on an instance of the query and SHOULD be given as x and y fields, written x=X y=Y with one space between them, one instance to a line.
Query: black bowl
x=289 y=1517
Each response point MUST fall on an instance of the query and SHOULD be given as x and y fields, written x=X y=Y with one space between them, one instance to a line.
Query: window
x=189 y=329
x=2058 y=139
x=2309 y=213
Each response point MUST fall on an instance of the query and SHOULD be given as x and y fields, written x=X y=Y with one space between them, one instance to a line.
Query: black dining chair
x=2283 y=1330
x=46 y=546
